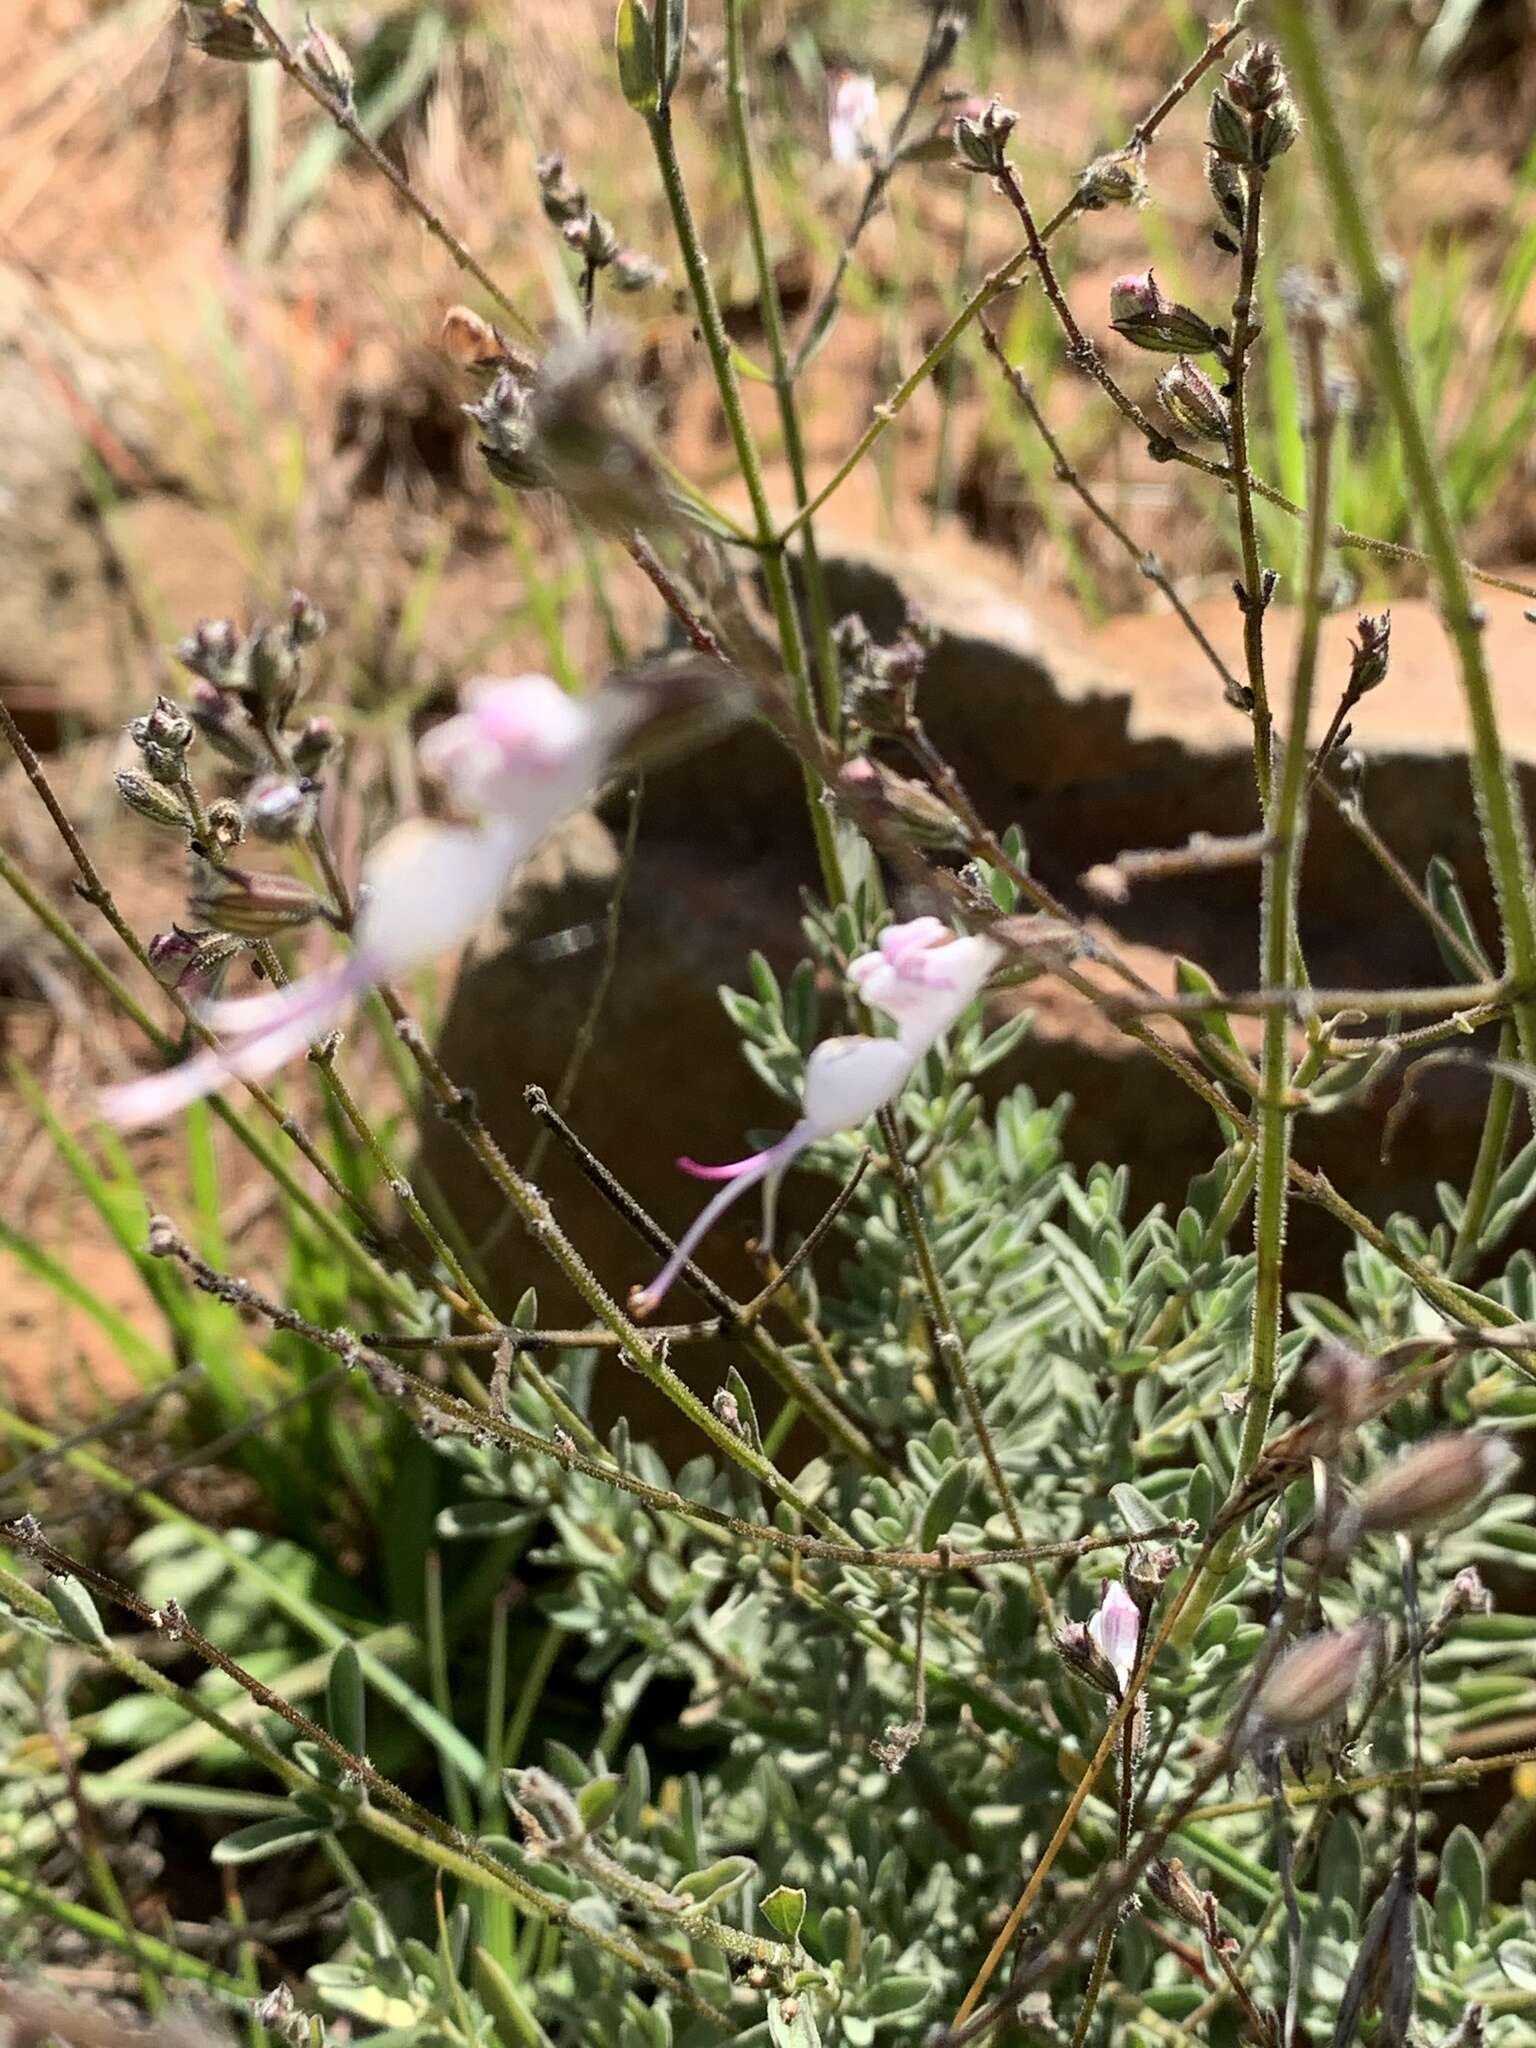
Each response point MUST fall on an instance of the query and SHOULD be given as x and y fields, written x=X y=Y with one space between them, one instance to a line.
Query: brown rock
x=1093 y=745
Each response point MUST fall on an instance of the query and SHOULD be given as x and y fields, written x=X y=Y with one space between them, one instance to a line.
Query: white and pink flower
x=854 y=132
x=1116 y=1630
x=519 y=756
x=923 y=977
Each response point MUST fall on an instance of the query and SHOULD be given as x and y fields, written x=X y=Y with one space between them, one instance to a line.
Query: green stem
x=1253 y=602
x=771 y=543
x=1489 y=1163
x=817 y=604
x=1498 y=808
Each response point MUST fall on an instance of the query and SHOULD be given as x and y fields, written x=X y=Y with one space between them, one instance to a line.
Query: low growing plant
x=1061 y=1633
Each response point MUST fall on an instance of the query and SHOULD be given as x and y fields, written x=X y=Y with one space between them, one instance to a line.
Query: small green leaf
x=1444 y=893
x=1517 y=1959
x=597 y=1799
x=894 y=1995
x=1461 y=1865
x=1200 y=1499
x=715 y=1882
x=266 y=1838
x=1140 y=1515
x=77 y=1611
x=784 y=1909
x=636 y=47
x=345 y=1708
x=944 y=1504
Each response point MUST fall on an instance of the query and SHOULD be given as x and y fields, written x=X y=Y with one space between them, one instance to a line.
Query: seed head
x=1434 y=1483
x=1114 y=180
x=1312 y=1682
x=981 y=141
x=1192 y=402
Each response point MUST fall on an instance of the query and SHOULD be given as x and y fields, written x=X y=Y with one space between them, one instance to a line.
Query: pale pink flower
x=853 y=117
x=1116 y=1629
x=519 y=756
x=924 y=977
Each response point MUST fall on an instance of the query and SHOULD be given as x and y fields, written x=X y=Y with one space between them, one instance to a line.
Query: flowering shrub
x=1059 y=1634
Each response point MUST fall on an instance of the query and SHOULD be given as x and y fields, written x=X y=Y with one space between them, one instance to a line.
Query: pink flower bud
x=1116 y=1630
x=1434 y=1483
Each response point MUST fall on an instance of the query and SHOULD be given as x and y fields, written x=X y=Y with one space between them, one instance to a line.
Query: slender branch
x=346 y=120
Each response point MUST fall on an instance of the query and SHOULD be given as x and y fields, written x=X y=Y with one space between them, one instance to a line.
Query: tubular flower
x=512 y=763
x=923 y=977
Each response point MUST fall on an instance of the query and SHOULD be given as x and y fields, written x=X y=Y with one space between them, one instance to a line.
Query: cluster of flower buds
x=262 y=670
x=1254 y=119
x=1371 y=653
x=1141 y=313
x=163 y=737
x=1117 y=179
x=880 y=682
x=981 y=141
x=1193 y=402
x=589 y=233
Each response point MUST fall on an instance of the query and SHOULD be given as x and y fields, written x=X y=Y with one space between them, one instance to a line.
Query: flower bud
x=326 y=65
x=561 y=200
x=162 y=737
x=272 y=679
x=226 y=824
x=318 y=739
x=981 y=142
x=883 y=802
x=1174 y=1889
x=251 y=904
x=592 y=237
x=1230 y=136
x=1143 y=315
x=1256 y=82
x=634 y=272
x=1313 y=1681
x=215 y=651
x=1113 y=180
x=306 y=621
x=231 y=37
x=1371 y=653
x=152 y=800
x=504 y=418
x=194 y=963
x=1192 y=402
x=1080 y=1653
x=224 y=725
x=1466 y=1594
x=1147 y=1567
x=1440 y=1479
x=280 y=808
